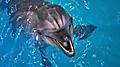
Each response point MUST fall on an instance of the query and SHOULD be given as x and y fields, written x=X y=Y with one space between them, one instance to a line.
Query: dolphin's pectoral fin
x=45 y=61
x=83 y=31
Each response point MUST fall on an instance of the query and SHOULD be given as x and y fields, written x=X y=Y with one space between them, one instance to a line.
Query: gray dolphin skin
x=49 y=22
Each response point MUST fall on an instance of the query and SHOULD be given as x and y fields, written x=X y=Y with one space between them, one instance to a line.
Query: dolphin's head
x=57 y=28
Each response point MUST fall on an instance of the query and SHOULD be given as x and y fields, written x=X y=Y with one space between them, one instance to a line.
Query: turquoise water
x=101 y=49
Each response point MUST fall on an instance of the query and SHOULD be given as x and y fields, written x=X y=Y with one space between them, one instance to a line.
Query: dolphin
x=50 y=22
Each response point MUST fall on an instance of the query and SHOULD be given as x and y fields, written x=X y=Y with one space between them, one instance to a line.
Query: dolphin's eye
x=69 y=26
x=68 y=30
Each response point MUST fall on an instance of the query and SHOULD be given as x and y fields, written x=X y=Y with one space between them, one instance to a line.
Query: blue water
x=101 y=49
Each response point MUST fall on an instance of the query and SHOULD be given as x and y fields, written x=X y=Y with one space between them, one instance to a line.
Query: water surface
x=101 y=49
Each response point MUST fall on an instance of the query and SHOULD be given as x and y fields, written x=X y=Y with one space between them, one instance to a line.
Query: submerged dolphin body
x=46 y=21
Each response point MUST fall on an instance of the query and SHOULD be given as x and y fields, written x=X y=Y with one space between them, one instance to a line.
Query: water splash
x=86 y=4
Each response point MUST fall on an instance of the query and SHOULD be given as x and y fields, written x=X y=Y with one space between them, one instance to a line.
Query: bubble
x=94 y=56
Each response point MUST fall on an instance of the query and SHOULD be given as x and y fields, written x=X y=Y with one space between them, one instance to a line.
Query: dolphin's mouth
x=66 y=47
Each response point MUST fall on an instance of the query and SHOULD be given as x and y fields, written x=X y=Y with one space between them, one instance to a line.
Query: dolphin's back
x=24 y=5
x=22 y=13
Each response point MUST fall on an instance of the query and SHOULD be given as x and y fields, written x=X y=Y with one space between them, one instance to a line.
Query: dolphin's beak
x=67 y=48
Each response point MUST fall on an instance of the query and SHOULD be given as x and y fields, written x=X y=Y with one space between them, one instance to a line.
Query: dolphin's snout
x=67 y=48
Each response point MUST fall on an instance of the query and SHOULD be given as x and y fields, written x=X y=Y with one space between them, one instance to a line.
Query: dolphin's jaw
x=68 y=50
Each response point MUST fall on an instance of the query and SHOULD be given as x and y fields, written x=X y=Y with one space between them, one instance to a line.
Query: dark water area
x=101 y=49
